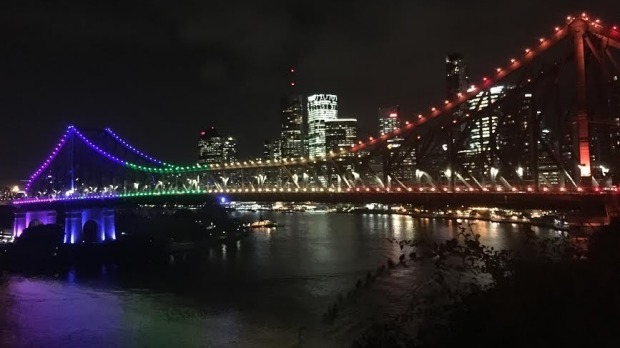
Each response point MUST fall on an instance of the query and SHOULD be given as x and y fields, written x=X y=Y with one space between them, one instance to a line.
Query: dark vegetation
x=554 y=293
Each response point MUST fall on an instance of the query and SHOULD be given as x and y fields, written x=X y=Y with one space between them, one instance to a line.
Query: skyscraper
x=292 y=126
x=210 y=147
x=456 y=75
x=340 y=134
x=321 y=107
x=229 y=150
x=388 y=119
x=272 y=150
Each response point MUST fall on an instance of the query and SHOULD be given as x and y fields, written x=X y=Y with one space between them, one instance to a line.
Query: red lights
x=203 y=133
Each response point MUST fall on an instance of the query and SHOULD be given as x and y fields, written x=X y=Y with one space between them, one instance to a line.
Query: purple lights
x=50 y=158
x=133 y=149
x=98 y=149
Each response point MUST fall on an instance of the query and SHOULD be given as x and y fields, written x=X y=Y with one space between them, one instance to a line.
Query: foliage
x=554 y=292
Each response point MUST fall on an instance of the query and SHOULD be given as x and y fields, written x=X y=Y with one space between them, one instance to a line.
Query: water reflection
x=256 y=292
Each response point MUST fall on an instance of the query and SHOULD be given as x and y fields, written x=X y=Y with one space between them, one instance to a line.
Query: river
x=267 y=291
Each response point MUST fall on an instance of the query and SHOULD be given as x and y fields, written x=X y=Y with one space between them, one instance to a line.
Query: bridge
x=540 y=131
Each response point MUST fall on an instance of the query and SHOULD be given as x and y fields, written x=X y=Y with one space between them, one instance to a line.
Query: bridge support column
x=73 y=226
x=19 y=224
x=579 y=28
x=24 y=220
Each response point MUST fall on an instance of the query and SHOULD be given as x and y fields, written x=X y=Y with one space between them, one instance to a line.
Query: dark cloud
x=159 y=70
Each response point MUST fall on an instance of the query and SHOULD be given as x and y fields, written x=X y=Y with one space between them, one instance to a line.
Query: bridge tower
x=579 y=28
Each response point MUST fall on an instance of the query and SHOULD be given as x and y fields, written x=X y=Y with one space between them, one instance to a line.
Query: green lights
x=163 y=193
x=168 y=169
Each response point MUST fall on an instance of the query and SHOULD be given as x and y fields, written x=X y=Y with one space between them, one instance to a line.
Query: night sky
x=157 y=71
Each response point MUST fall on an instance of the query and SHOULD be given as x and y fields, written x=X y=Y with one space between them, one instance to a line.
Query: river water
x=269 y=290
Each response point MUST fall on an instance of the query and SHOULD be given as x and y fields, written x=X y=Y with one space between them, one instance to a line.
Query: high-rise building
x=229 y=150
x=321 y=107
x=292 y=126
x=456 y=75
x=210 y=147
x=272 y=150
x=340 y=134
x=388 y=119
x=483 y=129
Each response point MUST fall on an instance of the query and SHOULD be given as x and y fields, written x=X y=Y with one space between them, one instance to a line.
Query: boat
x=262 y=224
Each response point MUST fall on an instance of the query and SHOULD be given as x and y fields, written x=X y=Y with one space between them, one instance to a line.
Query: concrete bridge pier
x=98 y=221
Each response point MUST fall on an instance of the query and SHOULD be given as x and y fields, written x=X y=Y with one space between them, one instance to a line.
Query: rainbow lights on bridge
x=335 y=173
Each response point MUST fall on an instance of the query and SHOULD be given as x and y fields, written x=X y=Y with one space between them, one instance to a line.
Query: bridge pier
x=75 y=221
x=27 y=219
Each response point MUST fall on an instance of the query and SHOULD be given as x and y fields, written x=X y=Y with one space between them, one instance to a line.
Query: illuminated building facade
x=340 y=134
x=229 y=150
x=321 y=108
x=292 y=126
x=210 y=147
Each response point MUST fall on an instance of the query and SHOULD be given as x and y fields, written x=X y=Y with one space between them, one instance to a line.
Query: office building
x=321 y=107
x=229 y=150
x=456 y=75
x=340 y=134
x=210 y=147
x=272 y=150
x=292 y=126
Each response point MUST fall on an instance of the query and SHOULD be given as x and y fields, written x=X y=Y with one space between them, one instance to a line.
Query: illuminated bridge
x=542 y=130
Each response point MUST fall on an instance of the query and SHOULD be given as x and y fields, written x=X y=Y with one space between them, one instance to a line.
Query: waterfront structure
x=131 y=173
x=321 y=107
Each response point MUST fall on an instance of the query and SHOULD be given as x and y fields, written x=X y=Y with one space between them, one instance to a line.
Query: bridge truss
x=547 y=121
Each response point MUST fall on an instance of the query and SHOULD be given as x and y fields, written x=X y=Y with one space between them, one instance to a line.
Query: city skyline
x=52 y=89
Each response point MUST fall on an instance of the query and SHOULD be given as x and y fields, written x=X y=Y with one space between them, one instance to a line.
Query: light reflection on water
x=258 y=292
